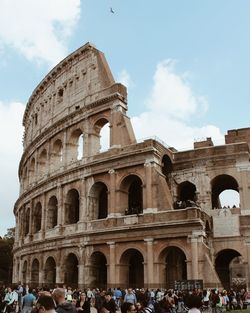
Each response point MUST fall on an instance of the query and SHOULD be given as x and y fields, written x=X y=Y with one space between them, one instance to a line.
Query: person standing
x=62 y=306
x=109 y=303
x=28 y=302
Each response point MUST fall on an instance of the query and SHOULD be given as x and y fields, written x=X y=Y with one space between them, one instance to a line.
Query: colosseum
x=139 y=213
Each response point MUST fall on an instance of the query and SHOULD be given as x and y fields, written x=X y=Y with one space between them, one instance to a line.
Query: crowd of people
x=22 y=299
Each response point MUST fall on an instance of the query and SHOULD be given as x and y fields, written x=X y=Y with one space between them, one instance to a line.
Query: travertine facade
x=138 y=214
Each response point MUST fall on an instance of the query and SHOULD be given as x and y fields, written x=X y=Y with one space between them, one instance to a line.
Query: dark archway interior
x=52 y=212
x=72 y=207
x=187 y=191
x=167 y=168
x=99 y=270
x=35 y=273
x=71 y=271
x=222 y=262
x=38 y=217
x=103 y=202
x=176 y=268
x=219 y=184
x=135 y=202
x=50 y=272
x=133 y=269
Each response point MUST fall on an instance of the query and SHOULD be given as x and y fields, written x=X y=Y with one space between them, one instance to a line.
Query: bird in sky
x=112 y=11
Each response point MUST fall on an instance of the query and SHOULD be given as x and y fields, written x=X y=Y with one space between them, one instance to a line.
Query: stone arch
x=97 y=139
x=98 y=201
x=76 y=145
x=219 y=184
x=26 y=223
x=71 y=270
x=57 y=154
x=98 y=270
x=186 y=195
x=35 y=273
x=24 y=272
x=131 y=199
x=72 y=206
x=50 y=272
x=37 y=217
x=52 y=212
x=167 y=168
x=173 y=266
x=224 y=267
x=42 y=161
x=132 y=268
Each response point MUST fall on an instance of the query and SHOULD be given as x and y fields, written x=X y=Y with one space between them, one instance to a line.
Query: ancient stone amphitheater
x=138 y=214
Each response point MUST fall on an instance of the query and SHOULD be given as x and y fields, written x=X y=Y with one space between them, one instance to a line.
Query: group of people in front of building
x=67 y=300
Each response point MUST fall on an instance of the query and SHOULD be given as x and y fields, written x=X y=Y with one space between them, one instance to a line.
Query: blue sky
x=186 y=65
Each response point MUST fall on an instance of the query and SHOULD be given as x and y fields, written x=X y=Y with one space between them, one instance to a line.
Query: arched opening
x=186 y=195
x=76 y=146
x=229 y=199
x=105 y=138
x=132 y=268
x=221 y=184
x=225 y=267
x=80 y=151
x=72 y=207
x=35 y=273
x=101 y=140
x=131 y=195
x=98 y=270
x=98 y=201
x=26 y=222
x=175 y=267
x=167 y=168
x=50 y=272
x=57 y=154
x=52 y=212
x=24 y=272
x=37 y=218
x=71 y=270
x=42 y=162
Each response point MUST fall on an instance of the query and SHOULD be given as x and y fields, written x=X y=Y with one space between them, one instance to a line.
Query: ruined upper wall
x=81 y=78
x=238 y=135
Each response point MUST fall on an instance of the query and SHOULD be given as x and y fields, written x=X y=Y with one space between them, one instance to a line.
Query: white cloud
x=125 y=79
x=38 y=29
x=11 y=132
x=171 y=104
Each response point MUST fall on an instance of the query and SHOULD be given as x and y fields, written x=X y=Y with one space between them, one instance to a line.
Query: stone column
x=81 y=269
x=112 y=197
x=150 y=262
x=83 y=204
x=41 y=271
x=111 y=276
x=195 y=239
x=44 y=215
x=60 y=209
x=60 y=268
x=148 y=172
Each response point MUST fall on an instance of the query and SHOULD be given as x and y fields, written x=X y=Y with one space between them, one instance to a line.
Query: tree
x=6 y=256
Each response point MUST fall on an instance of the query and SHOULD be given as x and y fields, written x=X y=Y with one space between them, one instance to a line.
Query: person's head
x=130 y=290
x=83 y=296
x=59 y=295
x=128 y=307
x=45 y=304
x=108 y=296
